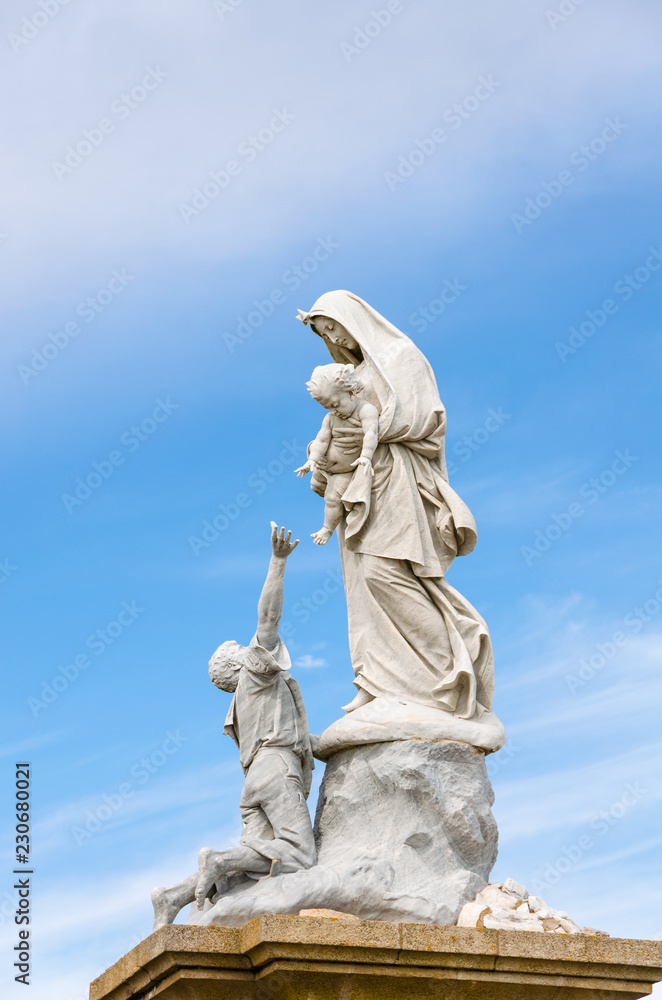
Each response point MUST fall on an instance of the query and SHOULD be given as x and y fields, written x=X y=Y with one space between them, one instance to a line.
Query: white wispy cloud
x=308 y=660
x=572 y=796
x=24 y=747
x=146 y=805
x=189 y=125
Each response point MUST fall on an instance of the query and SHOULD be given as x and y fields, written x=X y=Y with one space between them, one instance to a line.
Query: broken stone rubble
x=508 y=906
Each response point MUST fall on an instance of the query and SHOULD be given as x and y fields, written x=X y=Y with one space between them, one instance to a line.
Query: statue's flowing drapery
x=411 y=634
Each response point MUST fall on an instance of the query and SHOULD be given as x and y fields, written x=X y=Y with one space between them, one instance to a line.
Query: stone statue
x=340 y=457
x=404 y=829
x=267 y=721
x=413 y=638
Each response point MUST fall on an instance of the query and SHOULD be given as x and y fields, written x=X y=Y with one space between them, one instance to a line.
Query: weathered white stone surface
x=412 y=637
x=508 y=906
x=385 y=719
x=267 y=720
x=404 y=831
x=404 y=827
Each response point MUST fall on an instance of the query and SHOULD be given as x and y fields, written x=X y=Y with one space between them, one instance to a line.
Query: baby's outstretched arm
x=369 y=417
x=319 y=447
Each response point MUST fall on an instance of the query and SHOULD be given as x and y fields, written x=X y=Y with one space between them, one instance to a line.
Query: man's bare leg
x=215 y=865
x=168 y=902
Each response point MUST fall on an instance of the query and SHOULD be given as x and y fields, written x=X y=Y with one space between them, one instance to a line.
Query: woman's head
x=386 y=358
x=331 y=330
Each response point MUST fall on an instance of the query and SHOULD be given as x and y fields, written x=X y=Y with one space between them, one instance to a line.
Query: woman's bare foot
x=322 y=536
x=165 y=909
x=362 y=698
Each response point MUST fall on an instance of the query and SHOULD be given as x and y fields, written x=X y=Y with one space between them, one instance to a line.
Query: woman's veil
x=402 y=376
x=411 y=411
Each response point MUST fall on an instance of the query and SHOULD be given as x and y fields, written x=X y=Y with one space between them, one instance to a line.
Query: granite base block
x=319 y=958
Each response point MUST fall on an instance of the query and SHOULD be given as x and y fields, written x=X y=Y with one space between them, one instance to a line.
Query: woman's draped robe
x=411 y=634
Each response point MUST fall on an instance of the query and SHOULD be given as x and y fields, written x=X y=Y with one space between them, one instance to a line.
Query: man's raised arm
x=270 y=605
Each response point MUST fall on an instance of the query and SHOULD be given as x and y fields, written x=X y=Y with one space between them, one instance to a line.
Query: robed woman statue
x=414 y=640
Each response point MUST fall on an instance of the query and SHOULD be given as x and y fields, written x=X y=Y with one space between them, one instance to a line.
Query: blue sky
x=406 y=159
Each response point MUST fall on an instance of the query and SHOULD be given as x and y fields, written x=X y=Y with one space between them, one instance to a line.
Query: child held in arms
x=338 y=449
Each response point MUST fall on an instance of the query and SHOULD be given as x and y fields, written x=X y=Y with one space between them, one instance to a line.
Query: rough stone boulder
x=404 y=831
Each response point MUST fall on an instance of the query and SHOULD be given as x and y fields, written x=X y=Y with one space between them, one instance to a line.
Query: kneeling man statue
x=267 y=721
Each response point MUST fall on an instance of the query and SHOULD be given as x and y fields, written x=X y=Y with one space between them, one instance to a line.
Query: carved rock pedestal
x=306 y=958
x=413 y=819
x=404 y=831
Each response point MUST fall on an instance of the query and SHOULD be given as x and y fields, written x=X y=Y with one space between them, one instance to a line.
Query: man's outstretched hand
x=270 y=605
x=281 y=544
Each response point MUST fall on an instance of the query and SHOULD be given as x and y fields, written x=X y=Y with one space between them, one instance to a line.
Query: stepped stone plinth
x=319 y=958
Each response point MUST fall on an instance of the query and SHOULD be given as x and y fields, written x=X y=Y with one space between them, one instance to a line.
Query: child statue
x=337 y=388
